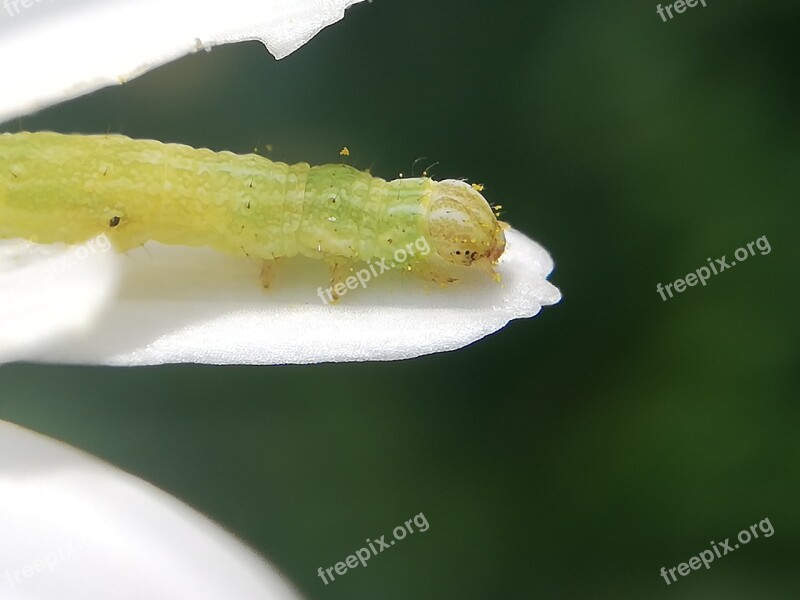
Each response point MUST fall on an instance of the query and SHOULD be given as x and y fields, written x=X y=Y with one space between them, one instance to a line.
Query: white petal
x=53 y=51
x=74 y=528
x=50 y=291
x=176 y=304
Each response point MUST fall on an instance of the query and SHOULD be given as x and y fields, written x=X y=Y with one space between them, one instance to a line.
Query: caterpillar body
x=70 y=188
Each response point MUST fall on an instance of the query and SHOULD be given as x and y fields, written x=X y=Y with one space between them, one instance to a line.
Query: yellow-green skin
x=70 y=188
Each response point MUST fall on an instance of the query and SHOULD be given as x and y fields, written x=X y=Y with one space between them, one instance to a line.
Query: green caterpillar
x=71 y=188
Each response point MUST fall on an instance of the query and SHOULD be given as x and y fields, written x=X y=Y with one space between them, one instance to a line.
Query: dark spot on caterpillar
x=389 y=240
x=114 y=221
x=248 y=204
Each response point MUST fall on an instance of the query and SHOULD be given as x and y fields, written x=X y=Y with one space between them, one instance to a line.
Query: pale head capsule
x=462 y=226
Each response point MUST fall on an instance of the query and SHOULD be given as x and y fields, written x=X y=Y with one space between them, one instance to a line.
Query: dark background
x=567 y=456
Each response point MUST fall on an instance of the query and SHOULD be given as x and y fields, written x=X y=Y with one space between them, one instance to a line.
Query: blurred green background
x=567 y=456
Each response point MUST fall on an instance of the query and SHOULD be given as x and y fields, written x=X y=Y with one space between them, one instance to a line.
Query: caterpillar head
x=462 y=226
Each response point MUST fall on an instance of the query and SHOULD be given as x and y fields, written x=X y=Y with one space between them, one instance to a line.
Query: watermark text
x=373 y=548
x=717 y=550
x=679 y=6
x=703 y=274
x=374 y=269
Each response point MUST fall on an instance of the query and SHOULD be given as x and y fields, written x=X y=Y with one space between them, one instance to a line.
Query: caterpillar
x=71 y=188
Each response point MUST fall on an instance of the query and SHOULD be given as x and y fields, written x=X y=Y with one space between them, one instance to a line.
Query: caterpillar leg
x=341 y=272
x=437 y=276
x=443 y=278
x=489 y=269
x=268 y=270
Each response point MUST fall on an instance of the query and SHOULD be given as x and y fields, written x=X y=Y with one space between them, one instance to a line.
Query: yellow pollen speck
x=479 y=187
x=344 y=151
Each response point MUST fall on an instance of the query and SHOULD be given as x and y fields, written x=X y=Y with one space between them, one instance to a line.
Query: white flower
x=59 y=49
x=167 y=304
x=74 y=527
x=162 y=304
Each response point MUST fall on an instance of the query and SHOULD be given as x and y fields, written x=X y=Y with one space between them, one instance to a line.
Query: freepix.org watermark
x=14 y=7
x=81 y=252
x=373 y=548
x=46 y=562
x=717 y=550
x=679 y=6
x=374 y=269
x=64 y=261
x=703 y=274
x=29 y=262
